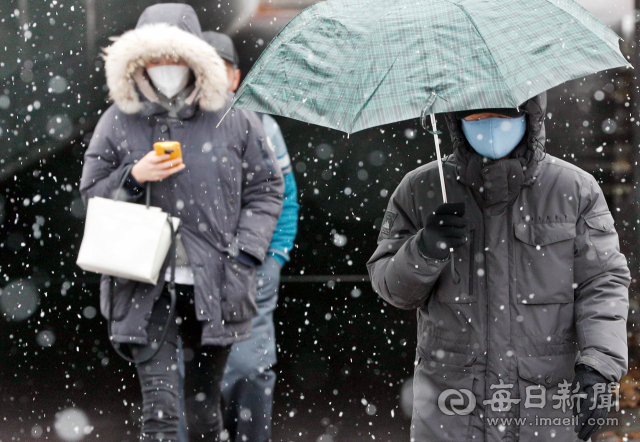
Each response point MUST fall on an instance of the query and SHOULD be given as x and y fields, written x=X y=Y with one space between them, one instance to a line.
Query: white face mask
x=169 y=79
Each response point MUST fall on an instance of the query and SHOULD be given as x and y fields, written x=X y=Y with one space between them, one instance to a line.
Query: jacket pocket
x=443 y=401
x=238 y=292
x=544 y=384
x=464 y=292
x=544 y=262
x=601 y=228
x=602 y=222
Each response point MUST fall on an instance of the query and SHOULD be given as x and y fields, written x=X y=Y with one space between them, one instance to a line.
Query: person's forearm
x=257 y=224
x=601 y=307
x=406 y=279
x=102 y=185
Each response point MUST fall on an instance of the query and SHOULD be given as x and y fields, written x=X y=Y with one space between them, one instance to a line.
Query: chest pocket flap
x=544 y=262
x=544 y=233
x=602 y=222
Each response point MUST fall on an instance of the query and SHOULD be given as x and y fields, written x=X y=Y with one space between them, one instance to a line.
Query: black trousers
x=159 y=377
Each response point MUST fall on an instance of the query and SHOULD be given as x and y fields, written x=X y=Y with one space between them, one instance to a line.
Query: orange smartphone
x=168 y=147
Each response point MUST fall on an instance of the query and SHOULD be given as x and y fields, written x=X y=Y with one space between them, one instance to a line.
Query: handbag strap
x=126 y=171
x=172 y=309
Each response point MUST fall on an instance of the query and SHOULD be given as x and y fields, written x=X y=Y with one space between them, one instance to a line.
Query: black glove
x=446 y=227
x=584 y=382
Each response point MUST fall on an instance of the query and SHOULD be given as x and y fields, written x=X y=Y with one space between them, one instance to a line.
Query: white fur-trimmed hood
x=134 y=48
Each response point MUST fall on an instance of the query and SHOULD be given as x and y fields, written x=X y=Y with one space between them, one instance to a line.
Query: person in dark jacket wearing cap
x=249 y=380
x=524 y=323
x=167 y=84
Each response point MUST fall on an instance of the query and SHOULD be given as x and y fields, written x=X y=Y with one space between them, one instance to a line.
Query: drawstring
x=543 y=148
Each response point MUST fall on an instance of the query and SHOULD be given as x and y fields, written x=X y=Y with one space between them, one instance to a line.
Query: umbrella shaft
x=437 y=141
x=435 y=137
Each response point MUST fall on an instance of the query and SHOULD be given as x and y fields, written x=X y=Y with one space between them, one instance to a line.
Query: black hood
x=522 y=165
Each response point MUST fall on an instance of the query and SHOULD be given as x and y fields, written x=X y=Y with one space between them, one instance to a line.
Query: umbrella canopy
x=355 y=64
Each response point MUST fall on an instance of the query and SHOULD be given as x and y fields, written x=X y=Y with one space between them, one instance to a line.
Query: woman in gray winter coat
x=529 y=326
x=167 y=84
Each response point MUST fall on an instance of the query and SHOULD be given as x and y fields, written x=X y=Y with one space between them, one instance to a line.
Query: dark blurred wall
x=51 y=74
x=344 y=354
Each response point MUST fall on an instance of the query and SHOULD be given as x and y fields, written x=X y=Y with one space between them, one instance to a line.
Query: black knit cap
x=223 y=45
x=507 y=112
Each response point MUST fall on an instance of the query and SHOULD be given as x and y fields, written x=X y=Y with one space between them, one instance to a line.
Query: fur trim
x=134 y=48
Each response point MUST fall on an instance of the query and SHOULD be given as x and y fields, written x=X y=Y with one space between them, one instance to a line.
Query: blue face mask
x=494 y=137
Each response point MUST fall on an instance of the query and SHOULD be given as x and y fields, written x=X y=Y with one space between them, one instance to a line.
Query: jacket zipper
x=472 y=259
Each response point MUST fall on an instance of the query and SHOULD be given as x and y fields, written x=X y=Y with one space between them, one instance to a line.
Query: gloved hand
x=446 y=227
x=583 y=384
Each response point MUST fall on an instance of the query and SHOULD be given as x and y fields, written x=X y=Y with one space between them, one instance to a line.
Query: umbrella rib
x=587 y=27
x=260 y=63
x=364 y=54
x=357 y=117
x=627 y=64
x=485 y=44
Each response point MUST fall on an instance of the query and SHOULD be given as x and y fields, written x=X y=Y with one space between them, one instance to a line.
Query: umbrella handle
x=454 y=273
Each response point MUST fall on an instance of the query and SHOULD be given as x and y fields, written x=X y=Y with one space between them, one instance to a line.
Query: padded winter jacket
x=543 y=286
x=228 y=198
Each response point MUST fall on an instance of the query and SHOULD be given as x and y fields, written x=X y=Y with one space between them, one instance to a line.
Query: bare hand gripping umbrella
x=355 y=64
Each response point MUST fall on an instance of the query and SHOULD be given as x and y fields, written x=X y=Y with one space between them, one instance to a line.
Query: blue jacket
x=287 y=227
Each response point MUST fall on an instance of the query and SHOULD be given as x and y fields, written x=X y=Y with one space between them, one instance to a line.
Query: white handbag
x=126 y=240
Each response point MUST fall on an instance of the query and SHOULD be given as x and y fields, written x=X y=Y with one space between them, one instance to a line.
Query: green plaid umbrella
x=355 y=64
